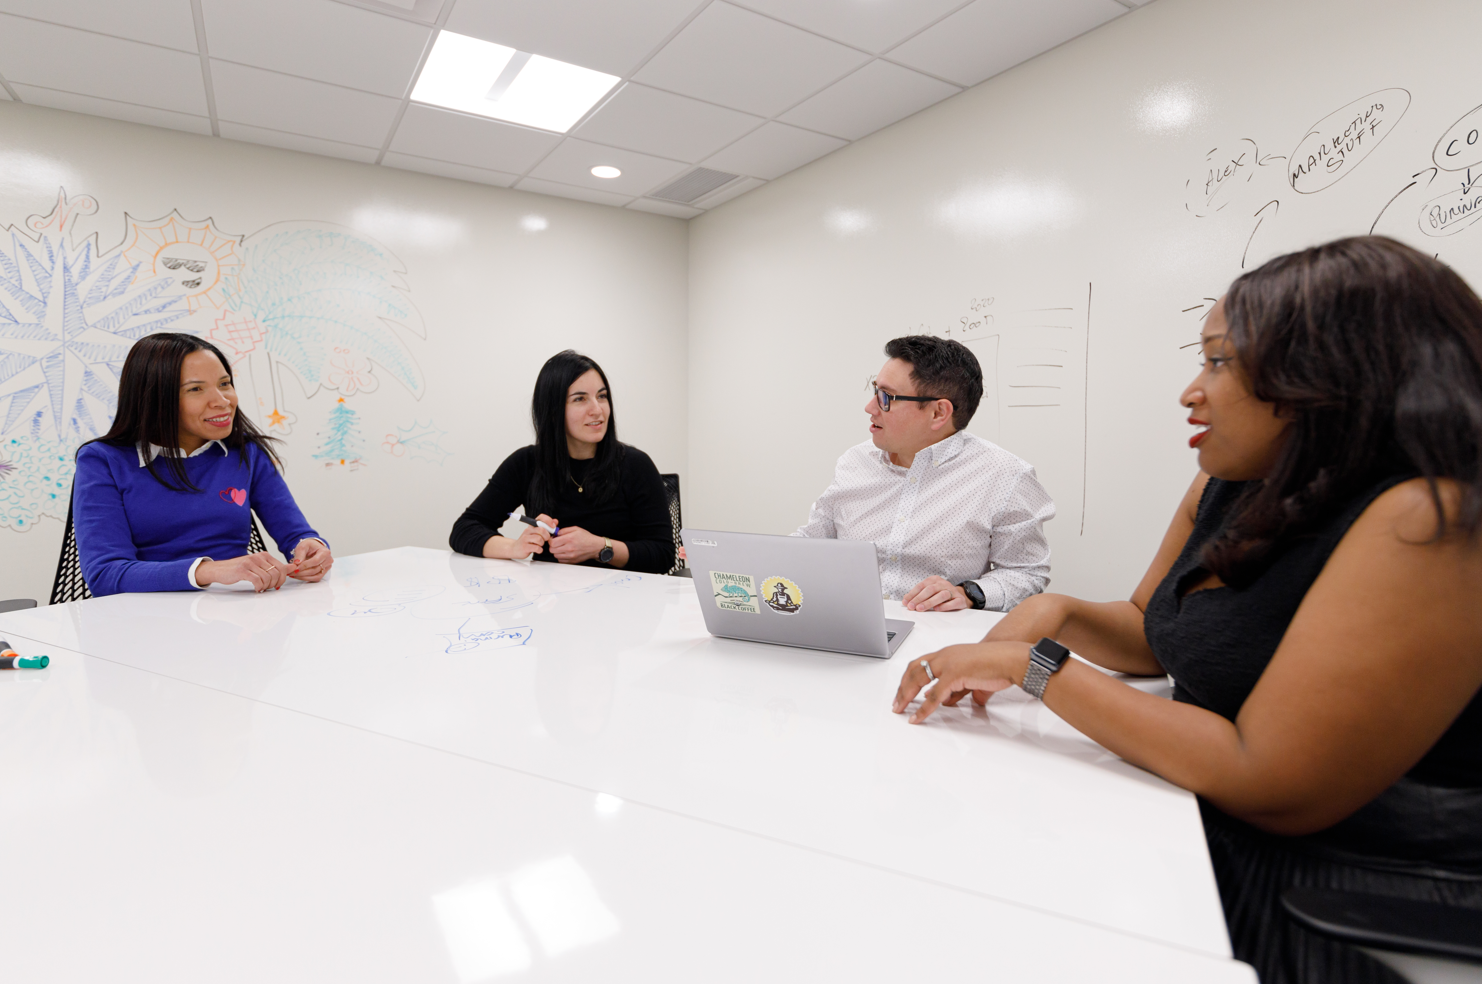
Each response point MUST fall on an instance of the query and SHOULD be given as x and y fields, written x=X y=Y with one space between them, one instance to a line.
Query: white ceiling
x=752 y=87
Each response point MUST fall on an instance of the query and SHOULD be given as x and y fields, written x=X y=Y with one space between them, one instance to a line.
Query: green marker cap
x=33 y=662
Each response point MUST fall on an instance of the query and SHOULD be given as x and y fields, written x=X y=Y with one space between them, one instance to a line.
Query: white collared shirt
x=966 y=509
x=149 y=452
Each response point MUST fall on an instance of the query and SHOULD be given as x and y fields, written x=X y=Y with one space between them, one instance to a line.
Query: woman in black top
x=608 y=496
x=1315 y=601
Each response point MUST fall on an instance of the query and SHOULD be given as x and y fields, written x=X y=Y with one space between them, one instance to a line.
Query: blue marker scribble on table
x=366 y=611
x=470 y=639
x=484 y=582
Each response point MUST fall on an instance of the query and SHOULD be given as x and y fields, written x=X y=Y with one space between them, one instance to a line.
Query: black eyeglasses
x=886 y=399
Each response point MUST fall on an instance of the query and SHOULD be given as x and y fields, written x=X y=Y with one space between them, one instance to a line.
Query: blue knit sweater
x=134 y=534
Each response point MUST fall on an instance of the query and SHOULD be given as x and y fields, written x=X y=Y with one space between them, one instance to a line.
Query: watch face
x=605 y=556
x=1050 y=652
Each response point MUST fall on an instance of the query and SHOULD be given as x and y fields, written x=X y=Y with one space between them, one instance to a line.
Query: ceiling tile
x=609 y=37
x=675 y=209
x=445 y=169
x=773 y=150
x=874 y=26
x=875 y=96
x=165 y=22
x=572 y=163
x=990 y=36
x=733 y=190
x=113 y=110
x=748 y=62
x=656 y=122
x=571 y=191
x=281 y=102
x=296 y=141
x=317 y=39
x=488 y=144
x=91 y=64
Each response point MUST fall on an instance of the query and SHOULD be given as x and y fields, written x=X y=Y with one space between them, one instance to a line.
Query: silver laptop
x=793 y=591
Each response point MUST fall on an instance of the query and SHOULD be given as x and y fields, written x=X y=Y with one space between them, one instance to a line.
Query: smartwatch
x=1045 y=658
x=605 y=554
x=974 y=594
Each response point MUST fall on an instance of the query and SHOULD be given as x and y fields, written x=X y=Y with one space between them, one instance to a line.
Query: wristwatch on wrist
x=974 y=594
x=1045 y=658
x=605 y=554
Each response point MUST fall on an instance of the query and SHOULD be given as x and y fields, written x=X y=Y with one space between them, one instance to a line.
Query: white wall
x=1072 y=183
x=494 y=299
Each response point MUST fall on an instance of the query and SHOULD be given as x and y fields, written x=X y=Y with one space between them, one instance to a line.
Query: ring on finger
x=931 y=677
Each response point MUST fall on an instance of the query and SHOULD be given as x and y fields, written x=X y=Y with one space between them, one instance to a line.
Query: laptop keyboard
x=889 y=635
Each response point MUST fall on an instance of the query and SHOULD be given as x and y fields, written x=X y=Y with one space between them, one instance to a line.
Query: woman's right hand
x=534 y=539
x=261 y=569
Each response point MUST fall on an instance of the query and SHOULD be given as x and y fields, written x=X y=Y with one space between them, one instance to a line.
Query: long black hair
x=149 y=405
x=552 y=457
x=1373 y=352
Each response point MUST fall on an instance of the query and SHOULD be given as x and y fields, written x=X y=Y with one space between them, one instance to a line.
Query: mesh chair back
x=676 y=521
x=68 y=585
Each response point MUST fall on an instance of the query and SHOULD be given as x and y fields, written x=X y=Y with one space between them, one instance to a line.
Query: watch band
x=1045 y=659
x=604 y=556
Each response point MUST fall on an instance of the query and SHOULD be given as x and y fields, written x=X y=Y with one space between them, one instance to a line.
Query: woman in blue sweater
x=173 y=484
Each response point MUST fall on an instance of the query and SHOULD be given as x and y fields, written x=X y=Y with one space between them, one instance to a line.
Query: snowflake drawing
x=67 y=320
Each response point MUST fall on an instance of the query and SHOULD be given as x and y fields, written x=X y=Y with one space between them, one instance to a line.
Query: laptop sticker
x=734 y=592
x=782 y=595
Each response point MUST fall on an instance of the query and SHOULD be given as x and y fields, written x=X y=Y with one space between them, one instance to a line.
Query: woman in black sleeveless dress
x=1315 y=602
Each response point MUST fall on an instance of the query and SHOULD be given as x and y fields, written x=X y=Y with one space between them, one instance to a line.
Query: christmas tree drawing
x=341 y=447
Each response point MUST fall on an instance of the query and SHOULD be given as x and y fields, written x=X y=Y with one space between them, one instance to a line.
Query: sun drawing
x=203 y=261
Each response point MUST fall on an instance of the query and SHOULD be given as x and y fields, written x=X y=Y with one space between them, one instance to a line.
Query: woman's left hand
x=573 y=545
x=311 y=560
x=982 y=669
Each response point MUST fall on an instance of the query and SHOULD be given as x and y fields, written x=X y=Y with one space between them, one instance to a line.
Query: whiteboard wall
x=387 y=325
x=1072 y=220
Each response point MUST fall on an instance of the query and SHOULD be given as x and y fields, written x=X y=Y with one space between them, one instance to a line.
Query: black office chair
x=676 y=523
x=68 y=585
x=1421 y=941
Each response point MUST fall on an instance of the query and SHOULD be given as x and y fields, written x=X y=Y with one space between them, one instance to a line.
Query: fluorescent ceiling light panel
x=462 y=73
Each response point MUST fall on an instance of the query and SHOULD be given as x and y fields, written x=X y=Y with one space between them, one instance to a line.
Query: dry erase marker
x=13 y=661
x=534 y=522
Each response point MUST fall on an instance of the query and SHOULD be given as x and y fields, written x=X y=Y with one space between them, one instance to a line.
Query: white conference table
x=439 y=768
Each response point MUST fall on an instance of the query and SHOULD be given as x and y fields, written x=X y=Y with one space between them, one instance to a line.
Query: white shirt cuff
x=190 y=575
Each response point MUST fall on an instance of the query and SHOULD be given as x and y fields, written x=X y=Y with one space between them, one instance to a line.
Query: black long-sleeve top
x=637 y=513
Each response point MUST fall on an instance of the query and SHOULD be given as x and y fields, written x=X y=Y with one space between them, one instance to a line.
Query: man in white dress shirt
x=957 y=521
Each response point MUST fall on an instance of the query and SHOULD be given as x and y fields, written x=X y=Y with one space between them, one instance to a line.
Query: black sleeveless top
x=1216 y=643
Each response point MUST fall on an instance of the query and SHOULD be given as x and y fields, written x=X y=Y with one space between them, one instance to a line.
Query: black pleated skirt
x=1253 y=868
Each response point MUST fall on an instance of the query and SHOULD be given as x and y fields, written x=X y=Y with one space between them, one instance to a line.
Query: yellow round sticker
x=782 y=595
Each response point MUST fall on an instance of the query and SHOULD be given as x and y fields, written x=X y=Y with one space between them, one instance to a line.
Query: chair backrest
x=69 y=585
x=676 y=520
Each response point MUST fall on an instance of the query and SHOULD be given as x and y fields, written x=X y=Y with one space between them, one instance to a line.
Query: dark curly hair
x=1373 y=351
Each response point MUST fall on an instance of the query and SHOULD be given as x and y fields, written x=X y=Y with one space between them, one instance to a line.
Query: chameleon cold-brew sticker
x=734 y=592
x=782 y=595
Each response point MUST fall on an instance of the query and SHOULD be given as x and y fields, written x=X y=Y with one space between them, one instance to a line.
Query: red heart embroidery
x=239 y=496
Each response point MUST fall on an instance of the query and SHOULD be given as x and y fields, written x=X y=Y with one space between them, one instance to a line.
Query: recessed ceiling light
x=487 y=79
x=605 y=171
